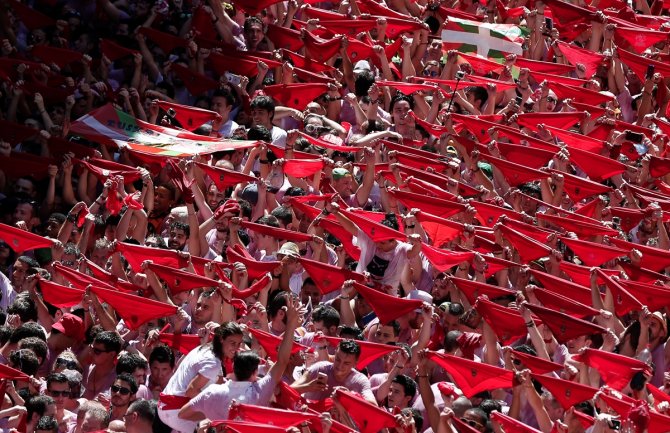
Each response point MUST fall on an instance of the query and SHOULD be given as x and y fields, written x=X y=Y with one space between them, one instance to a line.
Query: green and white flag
x=486 y=39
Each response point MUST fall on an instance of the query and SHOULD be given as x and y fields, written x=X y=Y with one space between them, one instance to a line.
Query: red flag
x=581 y=228
x=303 y=168
x=368 y=417
x=329 y=278
x=624 y=302
x=377 y=232
x=60 y=296
x=190 y=118
x=616 y=370
x=196 y=83
x=296 y=95
x=528 y=248
x=407 y=88
x=474 y=289
x=387 y=307
x=271 y=343
x=184 y=343
x=564 y=327
x=443 y=260
x=566 y=392
x=276 y=232
x=473 y=377
x=369 y=351
x=343 y=236
x=134 y=310
x=592 y=253
x=639 y=38
x=652 y=258
x=136 y=254
x=22 y=240
x=572 y=290
x=507 y=323
x=165 y=41
x=433 y=205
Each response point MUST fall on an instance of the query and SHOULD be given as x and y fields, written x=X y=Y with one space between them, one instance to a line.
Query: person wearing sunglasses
x=101 y=373
x=123 y=393
x=58 y=388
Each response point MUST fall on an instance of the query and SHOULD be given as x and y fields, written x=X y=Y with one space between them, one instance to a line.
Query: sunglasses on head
x=121 y=390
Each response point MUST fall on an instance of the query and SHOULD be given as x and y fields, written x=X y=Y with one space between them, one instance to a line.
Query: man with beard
x=179 y=237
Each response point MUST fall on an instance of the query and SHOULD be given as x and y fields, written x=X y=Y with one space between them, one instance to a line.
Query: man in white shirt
x=222 y=103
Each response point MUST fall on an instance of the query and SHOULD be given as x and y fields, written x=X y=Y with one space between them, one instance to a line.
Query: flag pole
x=459 y=76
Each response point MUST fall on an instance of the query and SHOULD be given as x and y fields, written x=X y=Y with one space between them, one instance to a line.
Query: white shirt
x=198 y=361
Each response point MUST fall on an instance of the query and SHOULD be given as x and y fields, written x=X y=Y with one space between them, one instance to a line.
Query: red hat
x=473 y=377
x=71 y=326
x=22 y=240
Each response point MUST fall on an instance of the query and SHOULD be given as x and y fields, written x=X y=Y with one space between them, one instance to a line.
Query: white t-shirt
x=198 y=361
x=356 y=382
x=384 y=267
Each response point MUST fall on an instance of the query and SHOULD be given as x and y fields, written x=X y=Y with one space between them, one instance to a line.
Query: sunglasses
x=58 y=393
x=67 y=363
x=471 y=422
x=121 y=390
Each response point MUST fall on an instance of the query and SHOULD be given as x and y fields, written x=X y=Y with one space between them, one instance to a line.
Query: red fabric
x=444 y=260
x=343 y=236
x=638 y=64
x=433 y=205
x=134 y=310
x=655 y=297
x=136 y=254
x=190 y=118
x=303 y=168
x=516 y=174
x=543 y=67
x=639 y=39
x=296 y=95
x=474 y=289
x=165 y=41
x=628 y=219
x=181 y=281
x=536 y=364
x=536 y=233
x=306 y=63
x=581 y=228
x=255 y=269
x=659 y=167
x=113 y=203
x=652 y=258
x=246 y=427
x=566 y=13
x=575 y=55
x=501 y=86
x=129 y=201
x=375 y=231
x=577 y=140
x=7 y=372
x=387 y=307
x=572 y=290
x=369 y=351
x=421 y=162
x=540 y=77
x=579 y=188
x=102 y=169
x=567 y=393
x=60 y=56
x=224 y=178
x=407 y=88
x=278 y=233
x=184 y=343
x=14 y=133
x=80 y=280
x=520 y=154
x=284 y=38
x=374 y=8
x=440 y=231
x=528 y=248
x=488 y=214
x=565 y=327
x=271 y=343
x=114 y=51
x=507 y=323
x=473 y=377
x=462 y=426
x=280 y=418
x=195 y=83
x=172 y=402
x=328 y=278
x=615 y=370
x=592 y=253
x=21 y=240
x=564 y=305
x=320 y=49
x=562 y=120
x=253 y=289
x=239 y=63
x=480 y=65
x=580 y=94
x=60 y=296
x=368 y=417
x=30 y=17
x=659 y=396
x=178 y=177
x=349 y=27
x=328 y=145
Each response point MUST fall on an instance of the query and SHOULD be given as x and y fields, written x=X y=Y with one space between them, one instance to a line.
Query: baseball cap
x=420 y=295
x=339 y=173
x=71 y=326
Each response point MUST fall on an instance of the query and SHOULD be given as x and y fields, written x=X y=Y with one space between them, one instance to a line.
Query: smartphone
x=650 y=71
x=233 y=79
x=549 y=24
x=635 y=137
x=518 y=100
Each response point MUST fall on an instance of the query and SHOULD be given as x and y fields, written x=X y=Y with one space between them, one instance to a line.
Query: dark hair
x=38 y=404
x=110 y=339
x=32 y=263
x=145 y=409
x=327 y=314
x=250 y=21
x=362 y=83
x=396 y=327
x=129 y=362
x=278 y=301
x=294 y=191
x=25 y=360
x=47 y=423
x=350 y=332
x=129 y=379
x=259 y=132
x=170 y=187
x=245 y=364
x=162 y=353
x=263 y=102
x=224 y=331
x=400 y=97
x=56 y=378
x=451 y=341
x=408 y=384
x=489 y=405
x=480 y=93
x=27 y=330
x=283 y=214
x=25 y=308
x=178 y=225
x=37 y=345
x=350 y=347
x=225 y=94
x=58 y=217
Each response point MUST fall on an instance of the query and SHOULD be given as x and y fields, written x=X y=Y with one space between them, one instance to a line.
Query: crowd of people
x=334 y=216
